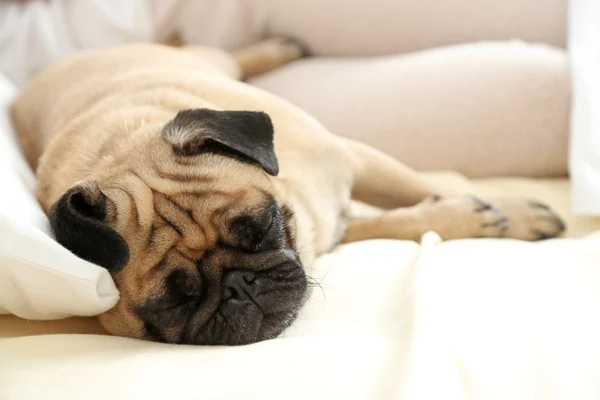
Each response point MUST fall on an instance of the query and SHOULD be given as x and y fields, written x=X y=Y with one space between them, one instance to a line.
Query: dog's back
x=77 y=108
x=85 y=82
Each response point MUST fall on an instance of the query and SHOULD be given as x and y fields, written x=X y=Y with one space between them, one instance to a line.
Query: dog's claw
x=482 y=205
x=530 y=219
x=537 y=204
x=539 y=235
x=501 y=223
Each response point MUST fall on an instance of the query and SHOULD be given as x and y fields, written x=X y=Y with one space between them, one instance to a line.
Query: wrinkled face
x=194 y=234
x=217 y=266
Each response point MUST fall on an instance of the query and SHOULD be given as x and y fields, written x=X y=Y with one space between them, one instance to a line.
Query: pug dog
x=207 y=199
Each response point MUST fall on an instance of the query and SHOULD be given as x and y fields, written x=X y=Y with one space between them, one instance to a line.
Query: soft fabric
x=485 y=109
x=470 y=319
x=39 y=279
x=584 y=161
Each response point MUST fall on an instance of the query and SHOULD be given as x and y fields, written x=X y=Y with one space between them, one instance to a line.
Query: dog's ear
x=248 y=135
x=79 y=221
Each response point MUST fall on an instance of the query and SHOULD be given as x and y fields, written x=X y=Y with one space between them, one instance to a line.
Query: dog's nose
x=240 y=285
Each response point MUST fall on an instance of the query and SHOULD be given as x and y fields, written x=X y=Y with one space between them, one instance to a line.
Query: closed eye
x=273 y=213
x=248 y=231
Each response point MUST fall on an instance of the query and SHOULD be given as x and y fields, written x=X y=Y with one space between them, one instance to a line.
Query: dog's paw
x=529 y=219
x=461 y=217
x=267 y=55
x=283 y=49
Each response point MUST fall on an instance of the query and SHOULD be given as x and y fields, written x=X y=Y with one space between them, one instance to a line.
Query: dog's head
x=192 y=230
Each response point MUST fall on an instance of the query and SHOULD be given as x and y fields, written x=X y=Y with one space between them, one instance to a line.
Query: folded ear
x=245 y=133
x=79 y=222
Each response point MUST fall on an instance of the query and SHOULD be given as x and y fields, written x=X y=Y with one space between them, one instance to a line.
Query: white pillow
x=39 y=279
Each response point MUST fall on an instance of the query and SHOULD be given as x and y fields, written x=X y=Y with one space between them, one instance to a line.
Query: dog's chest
x=321 y=196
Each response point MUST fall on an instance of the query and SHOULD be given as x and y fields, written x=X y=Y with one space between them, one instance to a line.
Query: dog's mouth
x=246 y=307
x=253 y=306
x=250 y=328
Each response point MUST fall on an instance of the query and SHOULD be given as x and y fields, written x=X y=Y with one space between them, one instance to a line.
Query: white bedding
x=39 y=279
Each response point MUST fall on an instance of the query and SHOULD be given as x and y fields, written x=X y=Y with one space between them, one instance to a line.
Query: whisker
x=312 y=283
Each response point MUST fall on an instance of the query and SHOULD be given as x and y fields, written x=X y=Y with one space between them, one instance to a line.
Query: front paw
x=529 y=219
x=462 y=217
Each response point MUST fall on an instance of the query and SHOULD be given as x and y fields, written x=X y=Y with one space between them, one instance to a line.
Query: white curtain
x=584 y=152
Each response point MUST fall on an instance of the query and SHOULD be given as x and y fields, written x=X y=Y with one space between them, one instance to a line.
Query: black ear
x=246 y=133
x=78 y=220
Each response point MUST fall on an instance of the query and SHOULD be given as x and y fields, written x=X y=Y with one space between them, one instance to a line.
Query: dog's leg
x=266 y=55
x=248 y=61
x=416 y=206
x=452 y=218
x=382 y=181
